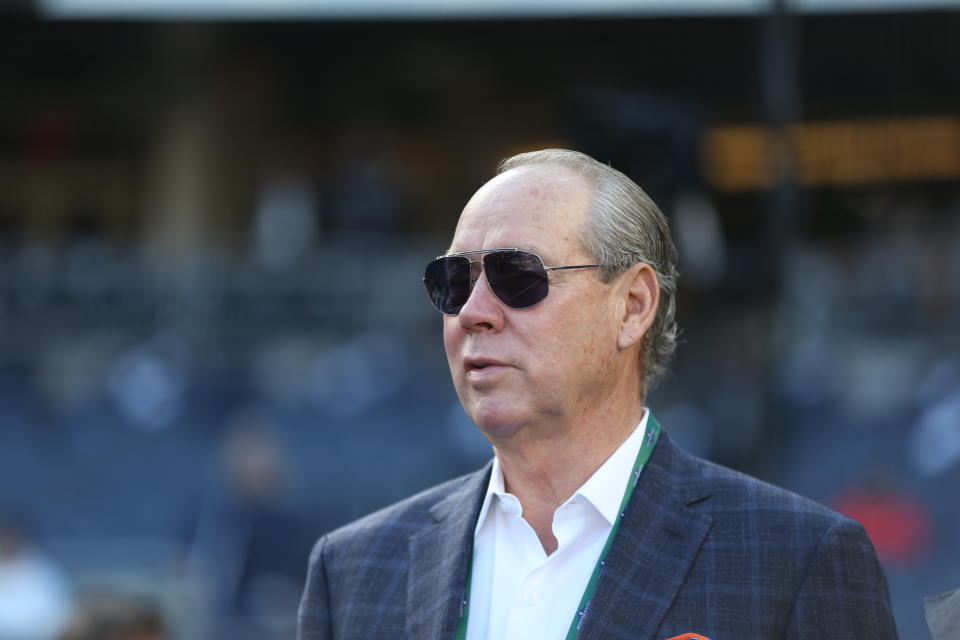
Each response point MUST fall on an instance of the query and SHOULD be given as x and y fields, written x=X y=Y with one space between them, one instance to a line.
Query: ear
x=641 y=293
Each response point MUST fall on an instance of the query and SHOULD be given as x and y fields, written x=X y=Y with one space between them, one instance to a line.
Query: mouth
x=480 y=366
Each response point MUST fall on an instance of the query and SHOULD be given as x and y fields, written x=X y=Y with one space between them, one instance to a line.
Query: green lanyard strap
x=650 y=438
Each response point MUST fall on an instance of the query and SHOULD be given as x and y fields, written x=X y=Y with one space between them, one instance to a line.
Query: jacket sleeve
x=313 y=619
x=843 y=593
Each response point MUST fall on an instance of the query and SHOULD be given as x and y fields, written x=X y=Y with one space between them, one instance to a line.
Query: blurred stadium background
x=214 y=343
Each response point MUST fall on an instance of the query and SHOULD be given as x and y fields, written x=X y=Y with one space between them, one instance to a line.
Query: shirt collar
x=495 y=487
x=604 y=489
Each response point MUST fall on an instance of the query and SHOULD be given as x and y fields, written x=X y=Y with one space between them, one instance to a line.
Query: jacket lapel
x=439 y=557
x=655 y=546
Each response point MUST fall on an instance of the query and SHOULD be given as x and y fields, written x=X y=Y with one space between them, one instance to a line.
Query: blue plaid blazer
x=701 y=549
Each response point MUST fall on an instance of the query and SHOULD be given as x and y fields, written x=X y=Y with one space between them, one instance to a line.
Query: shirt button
x=530 y=597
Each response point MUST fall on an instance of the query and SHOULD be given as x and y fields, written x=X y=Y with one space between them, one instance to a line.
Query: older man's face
x=547 y=363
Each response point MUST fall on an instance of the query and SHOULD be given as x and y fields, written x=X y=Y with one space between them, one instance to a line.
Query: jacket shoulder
x=736 y=495
x=774 y=563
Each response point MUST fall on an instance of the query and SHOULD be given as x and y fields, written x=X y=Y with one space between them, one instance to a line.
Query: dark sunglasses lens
x=517 y=278
x=448 y=283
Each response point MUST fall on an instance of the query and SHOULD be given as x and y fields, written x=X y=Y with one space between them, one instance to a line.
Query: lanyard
x=650 y=438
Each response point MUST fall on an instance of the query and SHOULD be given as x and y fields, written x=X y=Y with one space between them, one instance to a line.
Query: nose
x=482 y=311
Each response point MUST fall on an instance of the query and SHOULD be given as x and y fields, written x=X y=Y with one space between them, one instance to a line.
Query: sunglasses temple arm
x=575 y=266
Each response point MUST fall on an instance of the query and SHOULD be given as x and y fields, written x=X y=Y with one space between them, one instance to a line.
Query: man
x=559 y=294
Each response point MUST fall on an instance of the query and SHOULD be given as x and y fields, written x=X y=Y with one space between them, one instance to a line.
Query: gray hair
x=624 y=227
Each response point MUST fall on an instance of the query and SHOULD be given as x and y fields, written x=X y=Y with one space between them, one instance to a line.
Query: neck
x=544 y=472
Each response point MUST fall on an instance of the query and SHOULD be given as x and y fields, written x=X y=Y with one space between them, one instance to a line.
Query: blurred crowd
x=168 y=474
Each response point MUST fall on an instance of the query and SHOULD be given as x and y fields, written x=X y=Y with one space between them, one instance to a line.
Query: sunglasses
x=518 y=278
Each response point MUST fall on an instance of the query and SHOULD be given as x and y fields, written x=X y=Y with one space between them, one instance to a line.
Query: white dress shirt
x=517 y=591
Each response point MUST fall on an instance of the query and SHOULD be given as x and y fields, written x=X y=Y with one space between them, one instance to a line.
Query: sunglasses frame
x=473 y=279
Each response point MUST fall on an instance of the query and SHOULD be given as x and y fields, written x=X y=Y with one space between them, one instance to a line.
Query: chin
x=497 y=420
